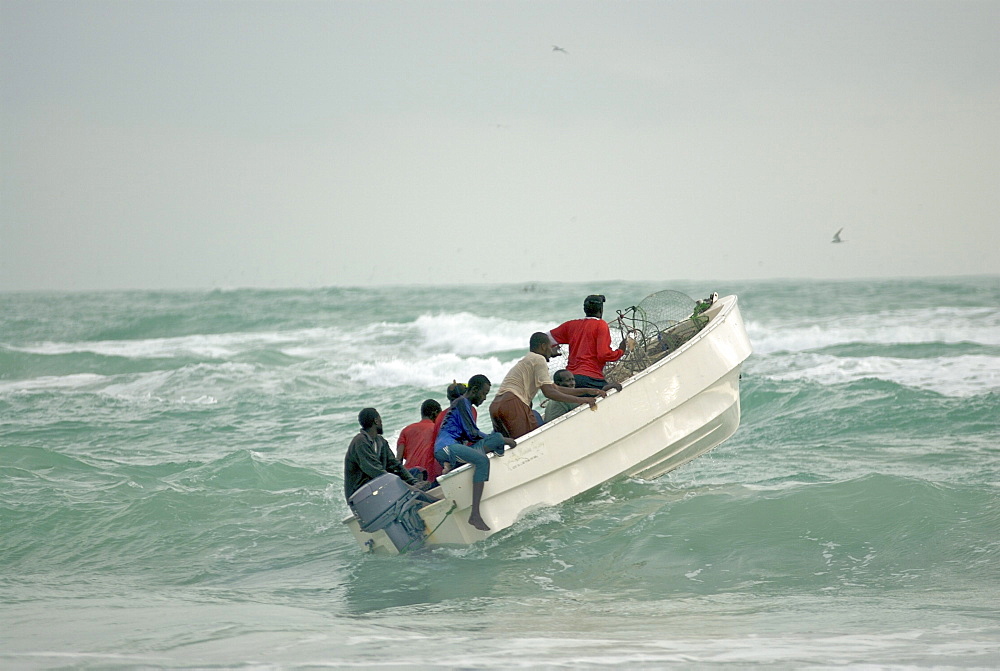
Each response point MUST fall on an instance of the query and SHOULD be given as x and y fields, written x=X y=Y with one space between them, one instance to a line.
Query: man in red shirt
x=415 y=446
x=589 y=341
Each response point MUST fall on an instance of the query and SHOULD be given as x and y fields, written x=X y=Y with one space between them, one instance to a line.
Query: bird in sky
x=556 y=48
x=836 y=236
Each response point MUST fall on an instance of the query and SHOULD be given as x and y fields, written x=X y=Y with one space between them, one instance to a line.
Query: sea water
x=171 y=487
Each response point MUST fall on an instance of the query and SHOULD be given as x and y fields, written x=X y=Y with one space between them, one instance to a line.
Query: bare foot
x=478 y=523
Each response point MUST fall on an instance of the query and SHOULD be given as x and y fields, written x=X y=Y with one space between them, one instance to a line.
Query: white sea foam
x=53 y=382
x=433 y=350
x=213 y=346
x=145 y=385
x=967 y=375
x=428 y=352
x=200 y=384
x=466 y=333
x=430 y=372
x=420 y=361
x=460 y=333
x=945 y=325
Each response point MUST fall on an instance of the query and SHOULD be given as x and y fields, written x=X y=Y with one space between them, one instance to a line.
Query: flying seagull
x=555 y=48
x=836 y=236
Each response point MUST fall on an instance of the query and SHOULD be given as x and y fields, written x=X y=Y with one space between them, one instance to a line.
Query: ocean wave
x=196 y=384
x=116 y=514
x=873 y=532
x=967 y=375
x=931 y=325
x=53 y=382
x=827 y=534
x=462 y=333
x=209 y=346
x=431 y=372
x=466 y=333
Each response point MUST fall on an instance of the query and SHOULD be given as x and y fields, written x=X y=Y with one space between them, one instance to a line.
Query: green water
x=171 y=487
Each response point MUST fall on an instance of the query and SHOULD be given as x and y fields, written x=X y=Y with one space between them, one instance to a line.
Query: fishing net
x=659 y=325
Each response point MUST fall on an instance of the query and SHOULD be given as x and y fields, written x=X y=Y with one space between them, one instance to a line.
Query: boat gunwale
x=714 y=323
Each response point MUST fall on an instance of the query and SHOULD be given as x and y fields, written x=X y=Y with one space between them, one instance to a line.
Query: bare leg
x=475 y=519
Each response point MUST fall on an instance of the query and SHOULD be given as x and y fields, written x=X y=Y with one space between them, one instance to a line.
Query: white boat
x=678 y=408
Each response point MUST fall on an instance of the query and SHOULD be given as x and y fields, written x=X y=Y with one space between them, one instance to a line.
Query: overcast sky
x=302 y=144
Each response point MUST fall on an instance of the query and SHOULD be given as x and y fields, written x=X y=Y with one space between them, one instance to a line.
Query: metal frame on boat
x=666 y=415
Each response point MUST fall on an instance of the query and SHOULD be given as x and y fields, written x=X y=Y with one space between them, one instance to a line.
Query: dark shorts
x=584 y=382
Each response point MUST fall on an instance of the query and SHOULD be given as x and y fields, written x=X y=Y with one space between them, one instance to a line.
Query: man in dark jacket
x=369 y=456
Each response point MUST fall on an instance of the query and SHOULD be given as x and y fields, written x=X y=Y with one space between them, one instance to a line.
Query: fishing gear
x=658 y=325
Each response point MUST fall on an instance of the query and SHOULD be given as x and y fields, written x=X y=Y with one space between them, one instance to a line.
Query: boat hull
x=672 y=412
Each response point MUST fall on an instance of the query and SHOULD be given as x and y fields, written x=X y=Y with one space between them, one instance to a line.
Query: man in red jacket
x=415 y=446
x=589 y=341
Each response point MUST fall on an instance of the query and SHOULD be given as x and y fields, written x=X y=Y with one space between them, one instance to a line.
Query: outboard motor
x=387 y=503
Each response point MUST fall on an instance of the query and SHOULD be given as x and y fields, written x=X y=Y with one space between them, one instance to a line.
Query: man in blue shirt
x=460 y=439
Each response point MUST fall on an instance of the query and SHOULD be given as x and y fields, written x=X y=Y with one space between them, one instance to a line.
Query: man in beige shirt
x=511 y=408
